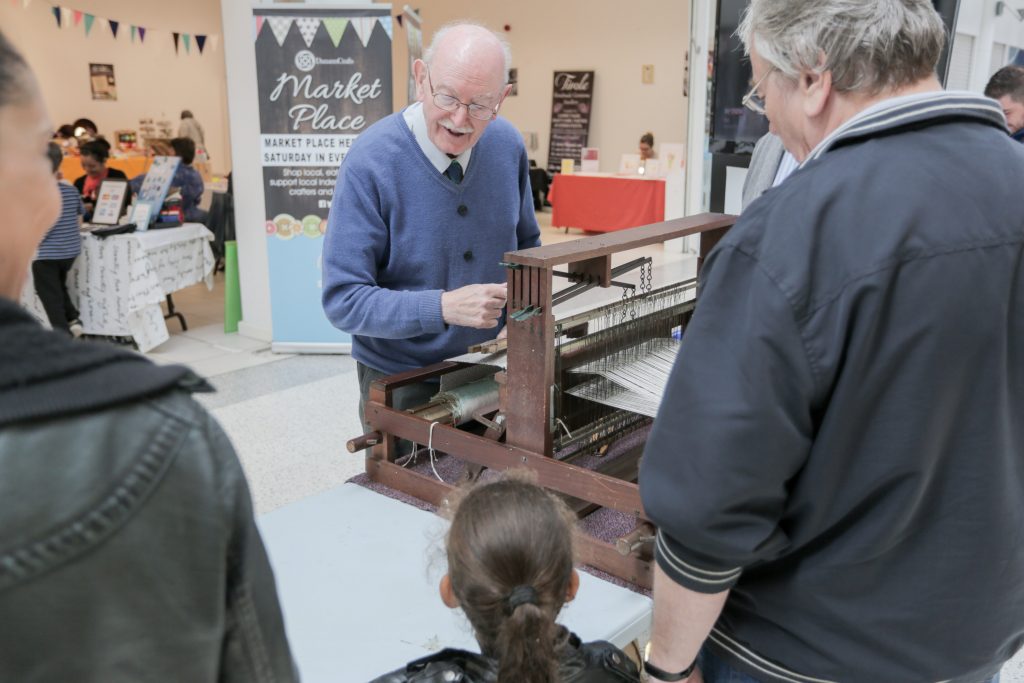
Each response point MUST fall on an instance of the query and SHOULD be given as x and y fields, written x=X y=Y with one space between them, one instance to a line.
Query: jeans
x=716 y=670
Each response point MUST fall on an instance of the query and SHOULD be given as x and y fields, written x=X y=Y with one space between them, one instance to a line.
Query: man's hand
x=477 y=306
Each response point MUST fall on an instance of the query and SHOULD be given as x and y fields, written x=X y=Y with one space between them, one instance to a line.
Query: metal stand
x=171 y=313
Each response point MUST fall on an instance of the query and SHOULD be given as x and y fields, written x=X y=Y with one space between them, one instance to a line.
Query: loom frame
x=526 y=394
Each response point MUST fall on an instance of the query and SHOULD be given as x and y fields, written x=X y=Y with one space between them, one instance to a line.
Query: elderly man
x=1007 y=87
x=837 y=472
x=427 y=202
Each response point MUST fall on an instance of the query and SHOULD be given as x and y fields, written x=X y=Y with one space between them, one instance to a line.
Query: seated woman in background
x=94 y=155
x=647 y=147
x=187 y=179
x=510 y=569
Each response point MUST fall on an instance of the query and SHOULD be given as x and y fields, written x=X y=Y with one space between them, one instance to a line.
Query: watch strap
x=662 y=675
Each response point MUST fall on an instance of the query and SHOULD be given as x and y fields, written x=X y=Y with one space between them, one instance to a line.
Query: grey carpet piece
x=269 y=378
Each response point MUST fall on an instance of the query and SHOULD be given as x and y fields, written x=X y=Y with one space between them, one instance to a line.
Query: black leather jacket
x=596 y=662
x=128 y=548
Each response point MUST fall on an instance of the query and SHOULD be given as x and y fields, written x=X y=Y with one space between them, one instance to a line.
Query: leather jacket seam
x=99 y=522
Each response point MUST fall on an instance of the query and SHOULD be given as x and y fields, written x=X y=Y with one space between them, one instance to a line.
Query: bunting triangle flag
x=78 y=17
x=364 y=28
x=280 y=26
x=113 y=26
x=177 y=37
x=257 y=25
x=134 y=32
x=142 y=34
x=56 y=15
x=386 y=23
x=307 y=27
x=187 y=40
x=399 y=19
x=214 y=41
x=335 y=28
x=89 y=18
x=200 y=43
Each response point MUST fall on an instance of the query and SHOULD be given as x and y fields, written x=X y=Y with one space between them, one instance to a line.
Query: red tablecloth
x=605 y=203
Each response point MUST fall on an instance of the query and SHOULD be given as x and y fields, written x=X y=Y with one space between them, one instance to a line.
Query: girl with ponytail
x=510 y=569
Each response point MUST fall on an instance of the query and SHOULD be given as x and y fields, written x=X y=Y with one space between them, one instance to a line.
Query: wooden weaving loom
x=532 y=414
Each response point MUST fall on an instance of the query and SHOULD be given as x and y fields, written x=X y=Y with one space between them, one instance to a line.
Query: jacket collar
x=912 y=111
x=46 y=374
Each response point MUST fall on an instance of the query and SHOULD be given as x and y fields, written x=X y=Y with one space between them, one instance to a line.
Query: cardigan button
x=463 y=209
x=468 y=256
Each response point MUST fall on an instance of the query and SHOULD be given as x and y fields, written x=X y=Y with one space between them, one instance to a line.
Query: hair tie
x=520 y=595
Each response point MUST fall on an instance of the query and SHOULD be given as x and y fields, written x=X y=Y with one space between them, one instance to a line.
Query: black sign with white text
x=571 y=102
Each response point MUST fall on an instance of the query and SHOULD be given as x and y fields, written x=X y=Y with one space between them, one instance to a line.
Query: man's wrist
x=657 y=673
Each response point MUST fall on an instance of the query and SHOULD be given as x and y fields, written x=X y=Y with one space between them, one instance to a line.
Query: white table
x=357 y=577
x=120 y=281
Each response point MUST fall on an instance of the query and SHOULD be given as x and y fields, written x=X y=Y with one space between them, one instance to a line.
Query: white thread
x=430 y=450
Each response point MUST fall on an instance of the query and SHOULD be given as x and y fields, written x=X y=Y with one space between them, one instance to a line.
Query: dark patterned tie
x=454 y=172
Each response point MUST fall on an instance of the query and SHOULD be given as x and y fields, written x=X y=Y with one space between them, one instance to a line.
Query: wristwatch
x=662 y=675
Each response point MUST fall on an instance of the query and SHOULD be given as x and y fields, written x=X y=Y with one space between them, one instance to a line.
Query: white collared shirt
x=787 y=165
x=417 y=122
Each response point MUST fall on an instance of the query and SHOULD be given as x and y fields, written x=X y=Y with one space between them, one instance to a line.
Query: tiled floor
x=289 y=416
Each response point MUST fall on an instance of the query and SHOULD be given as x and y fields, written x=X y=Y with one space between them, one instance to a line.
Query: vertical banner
x=414 y=34
x=324 y=76
x=570 y=116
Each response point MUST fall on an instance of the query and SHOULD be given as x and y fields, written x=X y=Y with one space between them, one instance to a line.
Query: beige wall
x=611 y=37
x=152 y=81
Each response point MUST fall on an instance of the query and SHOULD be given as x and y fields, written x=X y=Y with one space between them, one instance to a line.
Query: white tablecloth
x=120 y=281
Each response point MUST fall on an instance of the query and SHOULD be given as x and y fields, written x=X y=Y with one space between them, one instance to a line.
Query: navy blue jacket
x=842 y=438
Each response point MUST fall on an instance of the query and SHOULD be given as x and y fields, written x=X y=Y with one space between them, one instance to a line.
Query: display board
x=571 y=102
x=323 y=77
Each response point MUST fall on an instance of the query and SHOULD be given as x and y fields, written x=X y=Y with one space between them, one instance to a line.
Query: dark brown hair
x=1007 y=81
x=648 y=138
x=96 y=149
x=56 y=155
x=184 y=148
x=510 y=563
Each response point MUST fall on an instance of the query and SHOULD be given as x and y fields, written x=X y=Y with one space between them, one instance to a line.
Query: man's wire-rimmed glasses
x=753 y=100
x=449 y=103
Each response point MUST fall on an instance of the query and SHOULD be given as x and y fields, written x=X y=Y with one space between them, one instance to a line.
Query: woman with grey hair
x=836 y=472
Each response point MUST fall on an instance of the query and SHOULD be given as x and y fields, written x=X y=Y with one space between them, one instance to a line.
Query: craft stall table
x=120 y=281
x=357 y=575
x=603 y=202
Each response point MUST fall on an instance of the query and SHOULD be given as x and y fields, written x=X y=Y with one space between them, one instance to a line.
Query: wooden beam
x=554 y=474
x=620 y=240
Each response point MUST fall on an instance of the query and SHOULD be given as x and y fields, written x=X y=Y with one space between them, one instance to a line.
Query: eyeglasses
x=753 y=100
x=449 y=103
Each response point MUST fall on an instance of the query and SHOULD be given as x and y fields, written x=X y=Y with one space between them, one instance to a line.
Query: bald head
x=461 y=81
x=466 y=44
